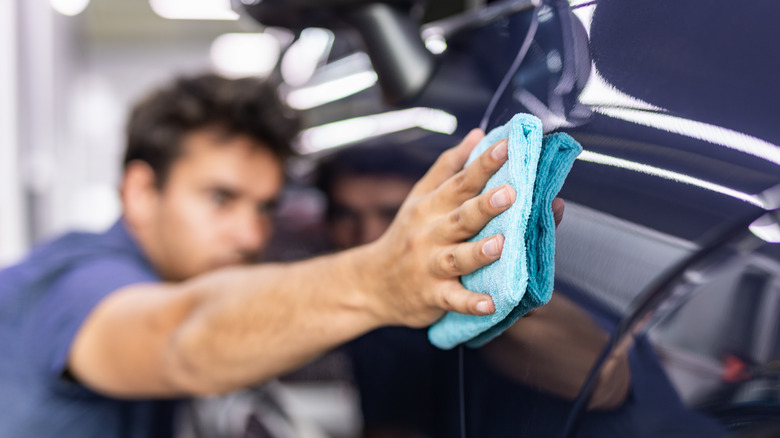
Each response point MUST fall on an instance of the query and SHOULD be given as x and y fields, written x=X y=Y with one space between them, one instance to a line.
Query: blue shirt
x=43 y=302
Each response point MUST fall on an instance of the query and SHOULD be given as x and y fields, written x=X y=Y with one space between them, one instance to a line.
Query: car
x=671 y=237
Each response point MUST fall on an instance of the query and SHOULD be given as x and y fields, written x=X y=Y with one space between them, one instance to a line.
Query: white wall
x=13 y=227
x=66 y=85
x=77 y=77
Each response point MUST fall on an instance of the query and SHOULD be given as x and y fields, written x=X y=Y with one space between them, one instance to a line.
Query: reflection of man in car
x=408 y=387
x=365 y=187
x=101 y=333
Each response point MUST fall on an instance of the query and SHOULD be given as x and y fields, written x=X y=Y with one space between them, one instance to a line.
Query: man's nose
x=250 y=232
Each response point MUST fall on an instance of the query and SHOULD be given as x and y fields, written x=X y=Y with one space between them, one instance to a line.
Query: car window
x=717 y=328
x=612 y=259
x=712 y=328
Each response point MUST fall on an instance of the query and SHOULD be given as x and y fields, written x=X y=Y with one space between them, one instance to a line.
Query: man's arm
x=239 y=326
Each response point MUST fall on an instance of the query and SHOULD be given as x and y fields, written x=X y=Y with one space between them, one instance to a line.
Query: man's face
x=363 y=207
x=215 y=208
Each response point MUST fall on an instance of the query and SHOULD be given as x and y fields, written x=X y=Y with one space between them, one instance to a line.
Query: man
x=364 y=187
x=408 y=387
x=101 y=333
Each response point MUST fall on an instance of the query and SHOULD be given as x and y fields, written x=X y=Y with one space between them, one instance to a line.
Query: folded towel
x=536 y=169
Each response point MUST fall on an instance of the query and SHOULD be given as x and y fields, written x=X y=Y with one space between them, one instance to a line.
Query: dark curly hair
x=159 y=123
x=382 y=158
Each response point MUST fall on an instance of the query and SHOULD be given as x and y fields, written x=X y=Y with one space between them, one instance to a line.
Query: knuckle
x=459 y=181
x=456 y=219
x=465 y=218
x=486 y=163
x=414 y=210
x=446 y=264
x=450 y=263
x=444 y=301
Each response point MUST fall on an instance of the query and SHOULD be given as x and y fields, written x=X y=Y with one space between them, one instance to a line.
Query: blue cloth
x=43 y=302
x=521 y=279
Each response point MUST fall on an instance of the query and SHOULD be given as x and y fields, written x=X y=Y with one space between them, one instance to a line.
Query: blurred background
x=71 y=69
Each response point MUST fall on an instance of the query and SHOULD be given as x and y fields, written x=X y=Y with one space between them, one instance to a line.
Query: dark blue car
x=671 y=237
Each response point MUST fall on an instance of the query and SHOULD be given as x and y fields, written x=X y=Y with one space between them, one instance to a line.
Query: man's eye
x=268 y=208
x=343 y=213
x=220 y=197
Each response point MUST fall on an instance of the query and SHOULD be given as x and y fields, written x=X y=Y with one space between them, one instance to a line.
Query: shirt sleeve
x=68 y=302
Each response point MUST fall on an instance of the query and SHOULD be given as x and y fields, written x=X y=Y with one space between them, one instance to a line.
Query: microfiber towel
x=522 y=278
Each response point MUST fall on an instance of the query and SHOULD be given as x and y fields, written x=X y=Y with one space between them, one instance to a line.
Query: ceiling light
x=244 y=54
x=69 y=7
x=436 y=44
x=362 y=128
x=193 y=9
x=320 y=94
x=305 y=55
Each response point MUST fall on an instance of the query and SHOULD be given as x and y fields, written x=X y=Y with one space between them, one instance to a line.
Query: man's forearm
x=258 y=322
x=239 y=326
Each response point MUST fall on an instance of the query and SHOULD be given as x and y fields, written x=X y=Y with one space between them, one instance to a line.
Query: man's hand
x=414 y=267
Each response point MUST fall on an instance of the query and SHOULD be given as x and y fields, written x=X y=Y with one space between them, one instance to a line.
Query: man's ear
x=139 y=193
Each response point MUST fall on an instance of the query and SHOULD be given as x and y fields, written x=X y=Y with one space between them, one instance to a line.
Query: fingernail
x=501 y=151
x=483 y=307
x=490 y=248
x=500 y=199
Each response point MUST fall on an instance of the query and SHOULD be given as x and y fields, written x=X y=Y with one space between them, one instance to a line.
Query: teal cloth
x=536 y=168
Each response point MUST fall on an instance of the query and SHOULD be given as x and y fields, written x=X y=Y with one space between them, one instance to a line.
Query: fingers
x=464 y=258
x=557 y=208
x=472 y=179
x=468 y=219
x=455 y=298
x=448 y=163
